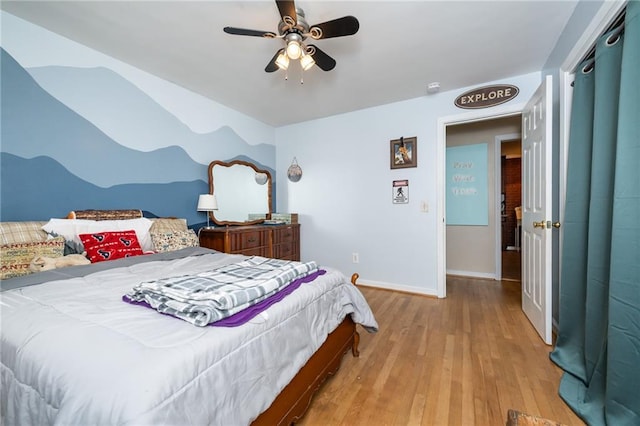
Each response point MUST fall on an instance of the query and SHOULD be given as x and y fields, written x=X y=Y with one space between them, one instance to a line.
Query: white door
x=536 y=210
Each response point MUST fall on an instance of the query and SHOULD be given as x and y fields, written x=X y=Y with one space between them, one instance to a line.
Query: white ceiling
x=400 y=48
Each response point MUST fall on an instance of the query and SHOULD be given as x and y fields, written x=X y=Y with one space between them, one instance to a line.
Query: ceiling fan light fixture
x=294 y=50
x=306 y=61
x=293 y=29
x=283 y=61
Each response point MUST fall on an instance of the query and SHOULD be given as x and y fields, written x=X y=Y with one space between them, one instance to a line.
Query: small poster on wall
x=400 y=193
x=467 y=200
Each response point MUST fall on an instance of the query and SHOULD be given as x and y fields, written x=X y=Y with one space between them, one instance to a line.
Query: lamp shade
x=207 y=203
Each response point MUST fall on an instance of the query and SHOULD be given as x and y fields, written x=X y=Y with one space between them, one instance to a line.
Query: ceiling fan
x=294 y=30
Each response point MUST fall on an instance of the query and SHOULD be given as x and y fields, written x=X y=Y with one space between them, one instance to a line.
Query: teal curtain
x=598 y=344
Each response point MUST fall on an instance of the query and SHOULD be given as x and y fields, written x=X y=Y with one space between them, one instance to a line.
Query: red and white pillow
x=110 y=245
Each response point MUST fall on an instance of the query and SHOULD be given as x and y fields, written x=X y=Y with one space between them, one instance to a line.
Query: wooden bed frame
x=294 y=400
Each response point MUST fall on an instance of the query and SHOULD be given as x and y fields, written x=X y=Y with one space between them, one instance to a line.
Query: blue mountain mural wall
x=53 y=160
x=45 y=189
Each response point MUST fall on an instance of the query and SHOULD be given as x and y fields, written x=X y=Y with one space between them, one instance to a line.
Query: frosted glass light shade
x=294 y=50
x=282 y=62
x=307 y=62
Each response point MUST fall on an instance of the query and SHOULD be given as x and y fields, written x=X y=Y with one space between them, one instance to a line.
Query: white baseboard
x=397 y=287
x=472 y=274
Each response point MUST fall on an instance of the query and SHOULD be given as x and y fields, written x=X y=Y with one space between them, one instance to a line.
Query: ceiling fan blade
x=271 y=66
x=347 y=25
x=323 y=61
x=245 y=32
x=288 y=8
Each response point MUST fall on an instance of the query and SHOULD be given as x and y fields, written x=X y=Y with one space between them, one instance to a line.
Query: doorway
x=511 y=208
x=537 y=188
x=477 y=250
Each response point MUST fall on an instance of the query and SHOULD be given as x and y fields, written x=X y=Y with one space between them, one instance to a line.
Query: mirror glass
x=241 y=189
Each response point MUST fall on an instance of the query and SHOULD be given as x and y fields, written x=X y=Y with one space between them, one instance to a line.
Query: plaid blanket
x=213 y=295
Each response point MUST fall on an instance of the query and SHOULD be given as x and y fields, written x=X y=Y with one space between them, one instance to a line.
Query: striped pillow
x=168 y=224
x=21 y=232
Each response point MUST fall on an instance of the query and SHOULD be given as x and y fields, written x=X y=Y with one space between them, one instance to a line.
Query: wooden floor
x=463 y=360
x=511 y=265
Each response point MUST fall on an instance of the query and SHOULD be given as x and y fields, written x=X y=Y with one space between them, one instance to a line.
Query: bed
x=74 y=352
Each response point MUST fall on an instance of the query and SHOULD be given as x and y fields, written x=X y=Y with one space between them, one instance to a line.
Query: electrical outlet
x=355 y=257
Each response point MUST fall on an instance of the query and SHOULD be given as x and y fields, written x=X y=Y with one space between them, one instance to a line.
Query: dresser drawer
x=252 y=242
x=284 y=235
x=283 y=251
x=252 y=239
x=212 y=240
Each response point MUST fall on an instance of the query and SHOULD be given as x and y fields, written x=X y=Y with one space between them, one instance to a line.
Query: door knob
x=556 y=225
x=540 y=224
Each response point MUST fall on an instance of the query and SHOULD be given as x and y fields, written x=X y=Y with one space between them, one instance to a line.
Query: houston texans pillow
x=101 y=246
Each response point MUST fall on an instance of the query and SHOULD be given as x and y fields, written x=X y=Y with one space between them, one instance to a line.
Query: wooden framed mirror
x=241 y=189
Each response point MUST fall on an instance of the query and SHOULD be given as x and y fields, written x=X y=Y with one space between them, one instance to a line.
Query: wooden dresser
x=277 y=241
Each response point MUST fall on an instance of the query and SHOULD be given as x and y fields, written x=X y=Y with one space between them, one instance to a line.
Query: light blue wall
x=345 y=195
x=83 y=130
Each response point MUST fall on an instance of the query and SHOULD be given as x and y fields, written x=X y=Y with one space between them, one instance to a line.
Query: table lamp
x=207 y=203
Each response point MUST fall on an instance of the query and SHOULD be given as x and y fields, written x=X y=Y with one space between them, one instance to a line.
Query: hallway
x=511 y=265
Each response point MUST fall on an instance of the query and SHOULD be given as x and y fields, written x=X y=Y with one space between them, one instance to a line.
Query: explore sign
x=487 y=96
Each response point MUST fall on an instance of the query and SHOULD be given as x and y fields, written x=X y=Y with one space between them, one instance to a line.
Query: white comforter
x=73 y=352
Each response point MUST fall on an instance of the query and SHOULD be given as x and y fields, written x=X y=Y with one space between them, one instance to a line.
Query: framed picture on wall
x=404 y=153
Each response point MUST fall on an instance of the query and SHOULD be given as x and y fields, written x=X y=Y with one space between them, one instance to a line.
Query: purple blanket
x=247 y=314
